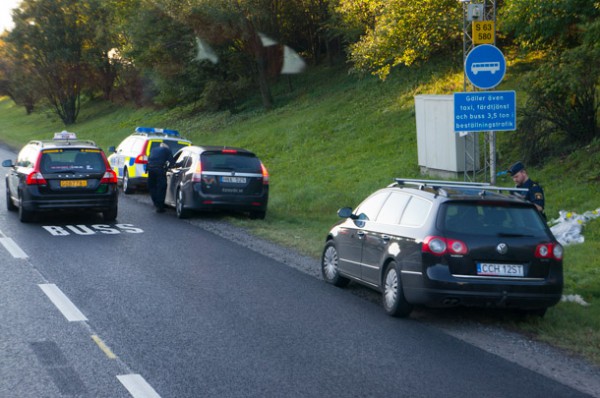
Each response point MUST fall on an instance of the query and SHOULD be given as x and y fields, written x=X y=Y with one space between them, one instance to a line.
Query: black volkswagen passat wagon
x=442 y=244
x=209 y=178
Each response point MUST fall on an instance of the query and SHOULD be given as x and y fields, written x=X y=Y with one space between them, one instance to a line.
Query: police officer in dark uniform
x=160 y=157
x=535 y=193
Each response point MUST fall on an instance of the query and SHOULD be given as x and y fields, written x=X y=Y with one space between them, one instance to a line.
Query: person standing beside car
x=535 y=193
x=158 y=161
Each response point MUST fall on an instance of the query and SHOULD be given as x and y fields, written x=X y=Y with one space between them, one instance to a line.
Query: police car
x=130 y=158
x=62 y=174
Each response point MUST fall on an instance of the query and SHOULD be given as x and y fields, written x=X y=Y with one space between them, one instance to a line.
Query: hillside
x=334 y=138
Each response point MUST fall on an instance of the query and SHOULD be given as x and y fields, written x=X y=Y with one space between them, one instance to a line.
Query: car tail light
x=233 y=151
x=197 y=176
x=35 y=178
x=142 y=158
x=549 y=250
x=109 y=177
x=265 y=174
x=439 y=246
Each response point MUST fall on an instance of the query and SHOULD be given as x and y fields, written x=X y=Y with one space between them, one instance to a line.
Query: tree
x=563 y=98
x=400 y=32
x=52 y=35
x=17 y=78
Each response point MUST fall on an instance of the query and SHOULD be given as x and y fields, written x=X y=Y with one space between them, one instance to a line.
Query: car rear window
x=84 y=160
x=173 y=145
x=217 y=161
x=490 y=219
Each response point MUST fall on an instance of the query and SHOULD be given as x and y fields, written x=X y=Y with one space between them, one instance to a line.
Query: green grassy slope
x=331 y=141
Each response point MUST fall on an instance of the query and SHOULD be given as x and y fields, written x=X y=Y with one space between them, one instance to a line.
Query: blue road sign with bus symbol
x=485 y=66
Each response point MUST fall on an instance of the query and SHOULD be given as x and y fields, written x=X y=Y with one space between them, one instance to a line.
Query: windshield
x=491 y=219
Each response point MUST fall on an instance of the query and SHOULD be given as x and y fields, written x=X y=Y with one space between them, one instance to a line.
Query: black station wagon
x=444 y=244
x=211 y=178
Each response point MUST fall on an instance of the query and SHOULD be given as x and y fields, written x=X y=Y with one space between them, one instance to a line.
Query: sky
x=6 y=7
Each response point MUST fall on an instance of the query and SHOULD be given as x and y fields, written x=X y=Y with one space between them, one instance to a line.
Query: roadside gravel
x=539 y=357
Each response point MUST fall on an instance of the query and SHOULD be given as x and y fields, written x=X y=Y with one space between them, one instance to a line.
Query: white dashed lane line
x=137 y=386
x=62 y=302
x=12 y=247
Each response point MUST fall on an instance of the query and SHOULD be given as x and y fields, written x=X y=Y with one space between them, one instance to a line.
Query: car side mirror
x=111 y=149
x=8 y=163
x=345 y=212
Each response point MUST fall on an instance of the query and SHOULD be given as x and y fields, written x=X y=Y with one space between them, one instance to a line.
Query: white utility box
x=441 y=151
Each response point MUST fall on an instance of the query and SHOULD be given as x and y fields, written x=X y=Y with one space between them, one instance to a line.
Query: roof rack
x=439 y=184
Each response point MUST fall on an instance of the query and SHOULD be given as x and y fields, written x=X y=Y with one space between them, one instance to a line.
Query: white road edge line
x=13 y=248
x=62 y=302
x=137 y=386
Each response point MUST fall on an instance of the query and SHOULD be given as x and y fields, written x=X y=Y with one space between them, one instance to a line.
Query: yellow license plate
x=73 y=183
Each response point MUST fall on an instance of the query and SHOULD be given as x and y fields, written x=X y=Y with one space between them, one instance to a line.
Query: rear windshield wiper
x=512 y=235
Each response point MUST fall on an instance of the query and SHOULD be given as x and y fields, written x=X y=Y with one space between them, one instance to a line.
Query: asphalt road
x=153 y=306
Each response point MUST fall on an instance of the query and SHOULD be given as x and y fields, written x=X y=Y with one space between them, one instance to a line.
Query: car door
x=175 y=174
x=352 y=234
x=379 y=235
x=17 y=175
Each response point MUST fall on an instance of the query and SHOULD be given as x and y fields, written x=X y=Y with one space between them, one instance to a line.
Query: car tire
x=111 y=214
x=180 y=209
x=393 y=299
x=10 y=206
x=25 y=215
x=329 y=266
x=127 y=187
x=258 y=215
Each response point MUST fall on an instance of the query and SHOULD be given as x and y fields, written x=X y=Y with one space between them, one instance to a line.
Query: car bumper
x=439 y=288
x=203 y=202
x=40 y=203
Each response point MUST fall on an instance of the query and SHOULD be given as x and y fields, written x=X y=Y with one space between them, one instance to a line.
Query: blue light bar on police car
x=174 y=133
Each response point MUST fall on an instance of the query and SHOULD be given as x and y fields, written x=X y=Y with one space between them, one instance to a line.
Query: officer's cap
x=515 y=168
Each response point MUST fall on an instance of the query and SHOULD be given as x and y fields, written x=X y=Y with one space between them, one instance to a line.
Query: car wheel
x=25 y=215
x=258 y=215
x=127 y=187
x=394 y=302
x=110 y=215
x=329 y=266
x=180 y=209
x=10 y=206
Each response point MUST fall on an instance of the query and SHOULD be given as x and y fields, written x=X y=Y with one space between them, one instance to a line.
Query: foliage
x=162 y=50
x=547 y=24
x=563 y=98
x=17 y=78
x=403 y=33
x=53 y=37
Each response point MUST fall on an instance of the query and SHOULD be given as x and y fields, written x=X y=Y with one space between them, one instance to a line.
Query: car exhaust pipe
x=450 y=301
